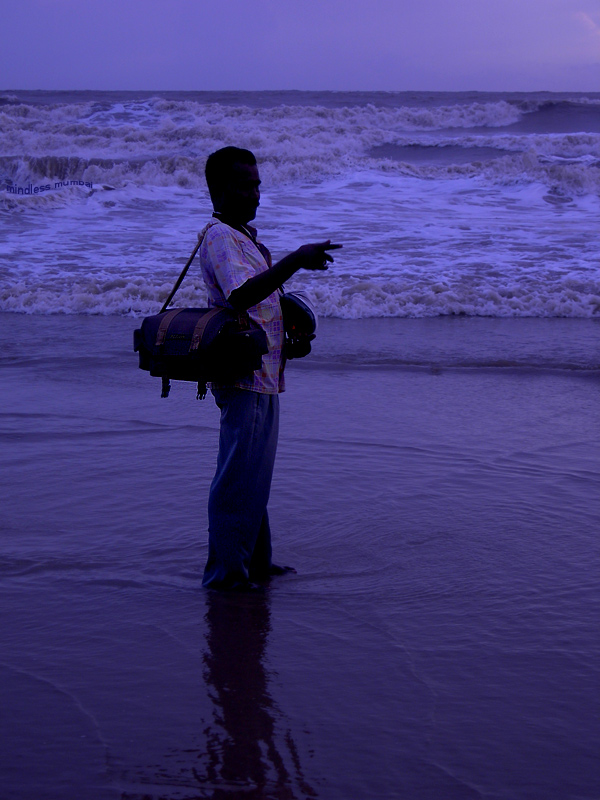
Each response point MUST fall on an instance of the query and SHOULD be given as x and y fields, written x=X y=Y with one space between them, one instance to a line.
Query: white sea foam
x=165 y=142
x=459 y=211
x=411 y=248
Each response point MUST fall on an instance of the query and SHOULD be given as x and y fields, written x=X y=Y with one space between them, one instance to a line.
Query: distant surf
x=448 y=203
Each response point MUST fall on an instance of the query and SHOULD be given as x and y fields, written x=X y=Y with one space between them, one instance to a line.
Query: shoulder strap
x=164 y=325
x=201 y=327
x=183 y=273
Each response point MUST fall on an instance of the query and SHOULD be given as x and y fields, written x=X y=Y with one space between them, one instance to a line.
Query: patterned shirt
x=228 y=259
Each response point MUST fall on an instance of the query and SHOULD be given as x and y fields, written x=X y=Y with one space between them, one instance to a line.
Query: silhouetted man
x=238 y=273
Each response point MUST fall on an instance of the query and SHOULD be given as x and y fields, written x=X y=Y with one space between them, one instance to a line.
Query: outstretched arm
x=309 y=256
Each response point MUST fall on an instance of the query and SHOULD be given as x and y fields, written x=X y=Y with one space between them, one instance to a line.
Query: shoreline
x=445 y=342
x=440 y=633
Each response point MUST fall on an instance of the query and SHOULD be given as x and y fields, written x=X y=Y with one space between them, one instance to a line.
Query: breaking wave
x=345 y=299
x=449 y=205
x=165 y=142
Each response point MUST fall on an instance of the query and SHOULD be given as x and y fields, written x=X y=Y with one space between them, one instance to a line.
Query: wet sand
x=437 y=488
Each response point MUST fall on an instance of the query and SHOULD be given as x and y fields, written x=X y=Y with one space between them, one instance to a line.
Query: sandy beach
x=437 y=489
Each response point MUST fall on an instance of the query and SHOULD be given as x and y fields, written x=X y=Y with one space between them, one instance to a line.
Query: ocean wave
x=572 y=170
x=291 y=141
x=338 y=298
x=162 y=142
x=9 y=100
x=400 y=298
x=98 y=200
x=141 y=171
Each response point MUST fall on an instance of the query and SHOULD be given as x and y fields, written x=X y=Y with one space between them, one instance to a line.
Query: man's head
x=233 y=183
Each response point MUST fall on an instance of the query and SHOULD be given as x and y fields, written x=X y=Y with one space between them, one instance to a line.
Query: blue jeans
x=239 y=537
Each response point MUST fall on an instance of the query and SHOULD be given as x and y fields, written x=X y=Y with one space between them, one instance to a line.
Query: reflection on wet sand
x=248 y=749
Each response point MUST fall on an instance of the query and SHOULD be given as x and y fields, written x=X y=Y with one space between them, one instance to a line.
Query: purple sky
x=504 y=45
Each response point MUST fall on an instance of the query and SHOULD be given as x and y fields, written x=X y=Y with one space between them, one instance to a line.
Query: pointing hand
x=315 y=256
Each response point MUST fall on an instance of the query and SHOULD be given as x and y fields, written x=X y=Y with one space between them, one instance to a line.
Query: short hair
x=220 y=164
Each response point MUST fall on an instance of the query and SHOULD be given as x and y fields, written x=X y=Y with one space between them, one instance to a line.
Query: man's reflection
x=245 y=752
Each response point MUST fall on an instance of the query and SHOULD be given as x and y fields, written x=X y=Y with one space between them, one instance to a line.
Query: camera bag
x=199 y=344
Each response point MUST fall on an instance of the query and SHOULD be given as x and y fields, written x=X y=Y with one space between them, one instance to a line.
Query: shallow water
x=439 y=640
